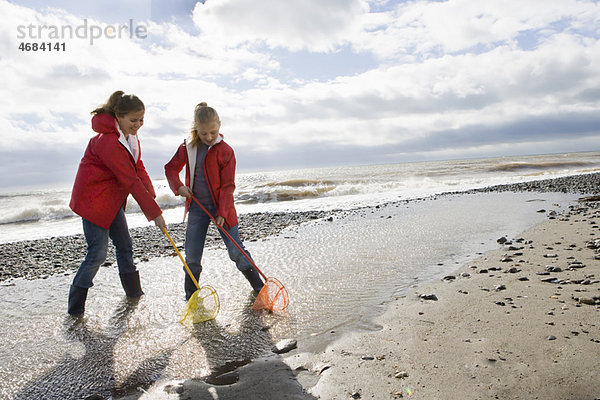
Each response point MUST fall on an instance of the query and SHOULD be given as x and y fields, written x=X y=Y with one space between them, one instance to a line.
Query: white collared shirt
x=130 y=142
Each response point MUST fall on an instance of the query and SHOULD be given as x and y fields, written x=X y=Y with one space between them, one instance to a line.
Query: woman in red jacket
x=111 y=169
x=209 y=177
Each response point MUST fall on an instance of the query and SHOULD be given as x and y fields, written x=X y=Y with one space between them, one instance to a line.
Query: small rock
x=367 y=358
x=551 y=337
x=428 y=296
x=284 y=346
x=550 y=279
x=401 y=374
x=587 y=300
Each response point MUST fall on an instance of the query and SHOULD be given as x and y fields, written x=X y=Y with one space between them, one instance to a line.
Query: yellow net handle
x=182 y=260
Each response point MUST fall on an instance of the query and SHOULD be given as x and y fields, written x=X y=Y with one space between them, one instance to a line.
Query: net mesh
x=202 y=306
x=272 y=297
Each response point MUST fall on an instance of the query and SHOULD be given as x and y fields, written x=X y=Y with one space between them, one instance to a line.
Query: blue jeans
x=195 y=237
x=97 y=249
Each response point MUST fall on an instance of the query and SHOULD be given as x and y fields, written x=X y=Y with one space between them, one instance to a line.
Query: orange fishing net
x=273 y=297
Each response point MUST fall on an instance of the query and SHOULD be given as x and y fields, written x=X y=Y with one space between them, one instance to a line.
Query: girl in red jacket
x=209 y=177
x=111 y=169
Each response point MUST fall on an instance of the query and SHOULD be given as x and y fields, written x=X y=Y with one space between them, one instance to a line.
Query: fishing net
x=273 y=297
x=202 y=306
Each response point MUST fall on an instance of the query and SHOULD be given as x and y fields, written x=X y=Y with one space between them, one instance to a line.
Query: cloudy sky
x=302 y=83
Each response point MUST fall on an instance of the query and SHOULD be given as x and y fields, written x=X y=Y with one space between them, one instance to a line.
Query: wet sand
x=509 y=325
x=519 y=322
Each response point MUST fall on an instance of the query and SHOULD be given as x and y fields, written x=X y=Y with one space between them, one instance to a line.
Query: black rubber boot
x=189 y=285
x=77 y=297
x=131 y=284
x=254 y=279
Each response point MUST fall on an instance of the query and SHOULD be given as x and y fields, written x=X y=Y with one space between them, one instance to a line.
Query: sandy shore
x=521 y=322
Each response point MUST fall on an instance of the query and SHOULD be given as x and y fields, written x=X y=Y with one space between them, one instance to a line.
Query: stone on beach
x=284 y=346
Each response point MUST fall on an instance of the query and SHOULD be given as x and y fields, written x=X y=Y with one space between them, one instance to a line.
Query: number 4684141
x=44 y=46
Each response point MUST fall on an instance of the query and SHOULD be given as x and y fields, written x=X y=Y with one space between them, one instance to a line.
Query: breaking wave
x=520 y=166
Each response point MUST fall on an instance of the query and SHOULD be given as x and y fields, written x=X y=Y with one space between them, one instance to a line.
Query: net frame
x=273 y=297
x=202 y=306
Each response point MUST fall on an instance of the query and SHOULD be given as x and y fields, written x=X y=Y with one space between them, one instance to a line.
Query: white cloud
x=452 y=77
x=423 y=28
x=295 y=25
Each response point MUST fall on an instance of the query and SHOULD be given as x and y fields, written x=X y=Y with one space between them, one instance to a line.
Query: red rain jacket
x=107 y=174
x=219 y=171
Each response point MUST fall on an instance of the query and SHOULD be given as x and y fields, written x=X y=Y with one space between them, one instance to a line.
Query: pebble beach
x=518 y=322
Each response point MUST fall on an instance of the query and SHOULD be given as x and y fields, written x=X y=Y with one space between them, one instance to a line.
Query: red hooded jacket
x=219 y=171
x=107 y=174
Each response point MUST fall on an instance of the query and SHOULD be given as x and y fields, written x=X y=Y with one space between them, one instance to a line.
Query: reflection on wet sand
x=89 y=367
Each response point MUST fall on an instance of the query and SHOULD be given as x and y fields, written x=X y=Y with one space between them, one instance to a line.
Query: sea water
x=29 y=214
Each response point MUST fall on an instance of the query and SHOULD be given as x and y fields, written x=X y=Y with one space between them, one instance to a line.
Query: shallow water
x=339 y=275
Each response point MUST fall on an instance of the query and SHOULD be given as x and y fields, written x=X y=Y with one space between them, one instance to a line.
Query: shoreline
x=460 y=345
x=41 y=258
x=519 y=322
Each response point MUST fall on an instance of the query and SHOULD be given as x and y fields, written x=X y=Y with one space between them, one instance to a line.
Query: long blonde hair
x=202 y=114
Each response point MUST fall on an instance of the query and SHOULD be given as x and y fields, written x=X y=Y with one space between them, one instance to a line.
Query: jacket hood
x=104 y=123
